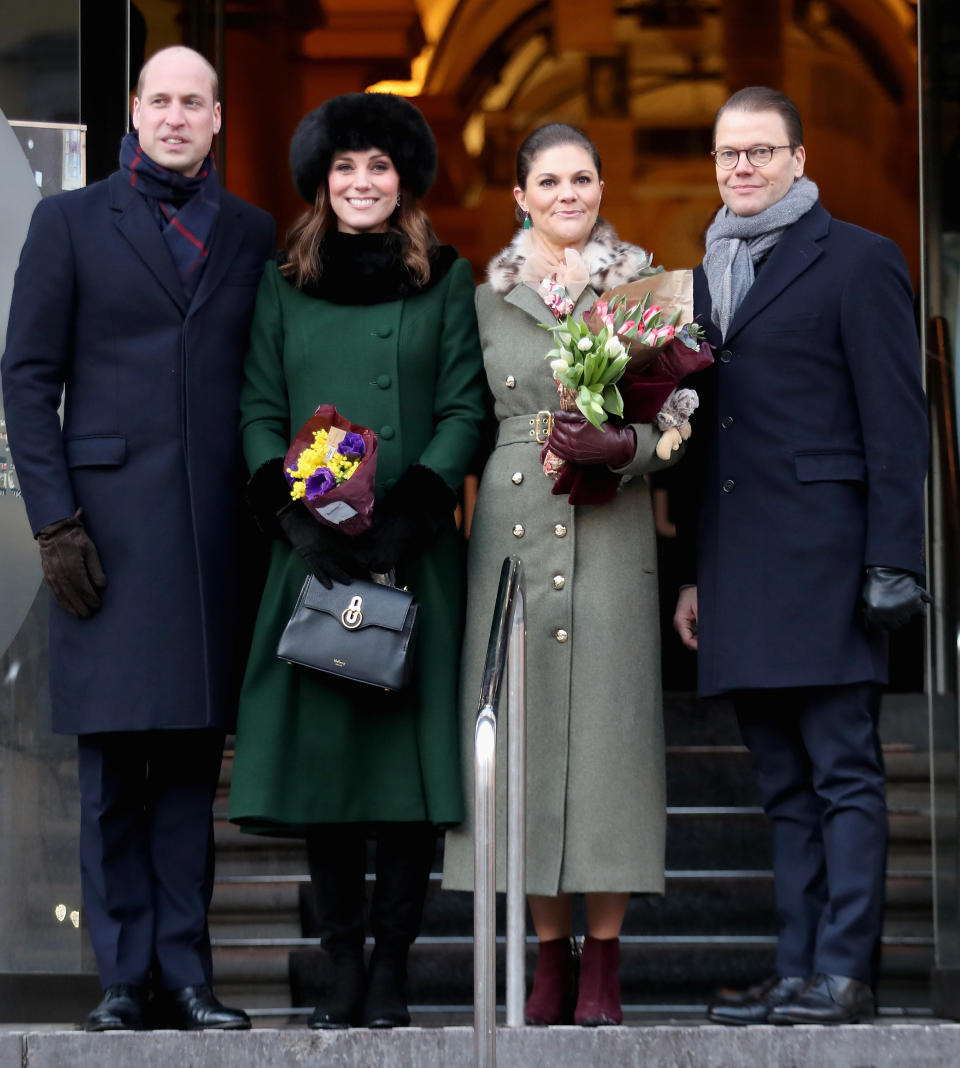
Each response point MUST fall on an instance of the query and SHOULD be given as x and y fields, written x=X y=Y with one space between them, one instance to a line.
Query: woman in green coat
x=594 y=743
x=366 y=311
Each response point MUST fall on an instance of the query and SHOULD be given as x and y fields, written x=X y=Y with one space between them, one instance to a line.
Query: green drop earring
x=527 y=225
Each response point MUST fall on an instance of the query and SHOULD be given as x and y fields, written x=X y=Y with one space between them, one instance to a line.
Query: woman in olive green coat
x=594 y=743
x=366 y=312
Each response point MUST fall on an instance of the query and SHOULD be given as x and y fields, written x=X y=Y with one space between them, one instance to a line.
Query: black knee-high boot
x=336 y=854
x=404 y=858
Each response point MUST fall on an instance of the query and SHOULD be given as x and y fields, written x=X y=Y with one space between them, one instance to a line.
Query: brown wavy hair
x=408 y=220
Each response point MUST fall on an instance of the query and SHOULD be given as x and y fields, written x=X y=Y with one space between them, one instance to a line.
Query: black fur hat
x=357 y=121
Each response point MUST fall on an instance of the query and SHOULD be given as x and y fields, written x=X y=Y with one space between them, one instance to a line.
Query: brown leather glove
x=575 y=439
x=71 y=565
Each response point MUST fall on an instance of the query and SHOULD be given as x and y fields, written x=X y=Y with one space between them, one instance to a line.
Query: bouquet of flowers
x=586 y=368
x=625 y=359
x=331 y=465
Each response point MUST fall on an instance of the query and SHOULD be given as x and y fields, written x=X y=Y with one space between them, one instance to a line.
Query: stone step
x=889 y=1043
x=739 y=835
x=654 y=969
x=715 y=925
x=738 y=902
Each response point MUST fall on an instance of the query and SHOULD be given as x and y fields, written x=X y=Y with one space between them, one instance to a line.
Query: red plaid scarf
x=185 y=208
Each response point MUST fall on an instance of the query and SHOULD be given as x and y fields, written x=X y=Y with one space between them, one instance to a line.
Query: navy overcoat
x=148 y=448
x=813 y=447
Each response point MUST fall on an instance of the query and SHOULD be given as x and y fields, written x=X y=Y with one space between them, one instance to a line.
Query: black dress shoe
x=120 y=1010
x=828 y=999
x=755 y=1005
x=194 y=1008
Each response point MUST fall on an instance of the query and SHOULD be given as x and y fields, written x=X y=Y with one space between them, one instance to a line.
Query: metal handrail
x=505 y=650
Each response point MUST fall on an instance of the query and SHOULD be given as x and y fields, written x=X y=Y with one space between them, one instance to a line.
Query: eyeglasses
x=757 y=155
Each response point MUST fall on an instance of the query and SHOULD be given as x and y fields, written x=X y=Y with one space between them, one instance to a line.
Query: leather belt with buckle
x=542 y=424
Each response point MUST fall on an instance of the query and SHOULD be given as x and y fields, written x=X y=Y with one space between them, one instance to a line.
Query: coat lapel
x=524 y=298
x=133 y=219
x=797 y=250
x=223 y=250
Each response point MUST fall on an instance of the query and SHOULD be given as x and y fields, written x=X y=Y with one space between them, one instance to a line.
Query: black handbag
x=365 y=632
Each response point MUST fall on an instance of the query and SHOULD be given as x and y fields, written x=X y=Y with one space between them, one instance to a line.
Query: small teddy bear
x=674 y=420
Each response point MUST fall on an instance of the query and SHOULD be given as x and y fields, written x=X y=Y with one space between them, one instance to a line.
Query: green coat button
x=384 y=381
x=387 y=433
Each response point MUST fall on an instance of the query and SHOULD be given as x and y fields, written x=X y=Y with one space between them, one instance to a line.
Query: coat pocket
x=99 y=450
x=830 y=467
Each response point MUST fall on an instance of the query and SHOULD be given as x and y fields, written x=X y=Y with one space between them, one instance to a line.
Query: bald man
x=133 y=298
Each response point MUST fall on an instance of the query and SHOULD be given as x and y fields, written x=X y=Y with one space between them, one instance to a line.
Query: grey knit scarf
x=736 y=242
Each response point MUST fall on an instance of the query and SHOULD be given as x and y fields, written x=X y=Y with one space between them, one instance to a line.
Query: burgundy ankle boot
x=554 y=984
x=598 y=1003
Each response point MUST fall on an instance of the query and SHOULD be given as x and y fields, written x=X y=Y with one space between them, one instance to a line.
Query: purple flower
x=353 y=446
x=320 y=482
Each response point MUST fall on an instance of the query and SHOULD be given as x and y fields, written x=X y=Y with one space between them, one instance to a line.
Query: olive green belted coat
x=595 y=757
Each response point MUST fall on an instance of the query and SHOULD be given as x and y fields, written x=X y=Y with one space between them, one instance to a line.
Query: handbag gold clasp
x=352 y=616
x=542 y=424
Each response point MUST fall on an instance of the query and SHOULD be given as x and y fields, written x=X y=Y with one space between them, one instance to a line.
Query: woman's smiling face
x=562 y=194
x=363 y=188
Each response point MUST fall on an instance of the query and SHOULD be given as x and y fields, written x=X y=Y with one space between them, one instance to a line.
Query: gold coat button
x=559 y=582
x=511 y=382
x=518 y=530
x=561 y=635
x=560 y=530
x=516 y=478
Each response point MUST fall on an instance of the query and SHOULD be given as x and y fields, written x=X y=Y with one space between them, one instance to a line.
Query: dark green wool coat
x=312 y=749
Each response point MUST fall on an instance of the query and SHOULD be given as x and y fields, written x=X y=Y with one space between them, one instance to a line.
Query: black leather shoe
x=828 y=999
x=755 y=1004
x=120 y=1010
x=194 y=1008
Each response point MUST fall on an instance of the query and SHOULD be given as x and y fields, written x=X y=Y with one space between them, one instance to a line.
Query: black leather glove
x=71 y=565
x=408 y=518
x=575 y=439
x=891 y=597
x=328 y=553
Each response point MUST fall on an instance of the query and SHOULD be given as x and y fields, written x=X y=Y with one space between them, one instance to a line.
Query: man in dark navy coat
x=133 y=297
x=809 y=461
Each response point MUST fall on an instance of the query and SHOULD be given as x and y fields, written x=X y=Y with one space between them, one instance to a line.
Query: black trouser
x=819 y=770
x=146 y=852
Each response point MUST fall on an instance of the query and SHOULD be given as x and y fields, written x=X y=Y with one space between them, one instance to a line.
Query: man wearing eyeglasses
x=804 y=540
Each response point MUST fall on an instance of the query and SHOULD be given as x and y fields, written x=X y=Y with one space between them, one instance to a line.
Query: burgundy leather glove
x=891 y=597
x=575 y=439
x=71 y=565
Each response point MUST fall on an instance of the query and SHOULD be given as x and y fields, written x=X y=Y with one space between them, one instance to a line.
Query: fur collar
x=367 y=269
x=610 y=261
